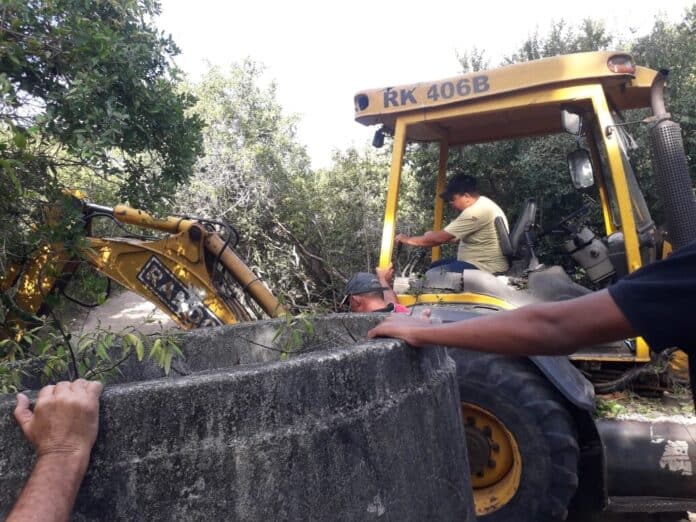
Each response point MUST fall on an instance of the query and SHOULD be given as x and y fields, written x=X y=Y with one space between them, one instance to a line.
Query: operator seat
x=518 y=246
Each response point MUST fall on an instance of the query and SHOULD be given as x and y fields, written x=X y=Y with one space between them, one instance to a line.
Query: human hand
x=404 y=327
x=385 y=275
x=402 y=238
x=65 y=419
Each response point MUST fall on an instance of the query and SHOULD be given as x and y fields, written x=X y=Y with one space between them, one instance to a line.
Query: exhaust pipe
x=650 y=458
x=671 y=170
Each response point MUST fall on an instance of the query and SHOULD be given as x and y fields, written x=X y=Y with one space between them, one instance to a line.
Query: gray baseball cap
x=362 y=283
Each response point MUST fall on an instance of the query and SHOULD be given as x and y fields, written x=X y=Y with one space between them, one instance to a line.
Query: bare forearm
x=388 y=293
x=543 y=329
x=422 y=241
x=50 y=492
x=429 y=239
x=528 y=331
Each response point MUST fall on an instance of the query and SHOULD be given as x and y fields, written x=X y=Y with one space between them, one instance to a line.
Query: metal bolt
x=479 y=474
x=470 y=421
x=487 y=431
x=491 y=463
x=495 y=447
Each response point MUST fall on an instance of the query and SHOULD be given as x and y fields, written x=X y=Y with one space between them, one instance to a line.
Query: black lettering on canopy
x=481 y=84
x=407 y=96
x=390 y=98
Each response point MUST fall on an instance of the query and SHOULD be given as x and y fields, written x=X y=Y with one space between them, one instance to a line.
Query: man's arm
x=557 y=328
x=429 y=239
x=386 y=279
x=62 y=428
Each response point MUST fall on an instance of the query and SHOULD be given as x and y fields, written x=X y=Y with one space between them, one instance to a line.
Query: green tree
x=255 y=175
x=303 y=232
x=88 y=91
x=88 y=99
x=672 y=47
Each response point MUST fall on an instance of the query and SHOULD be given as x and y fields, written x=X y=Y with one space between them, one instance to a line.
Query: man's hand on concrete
x=404 y=327
x=65 y=418
x=62 y=428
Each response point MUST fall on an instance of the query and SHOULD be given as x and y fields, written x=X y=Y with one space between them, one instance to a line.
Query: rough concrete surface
x=348 y=431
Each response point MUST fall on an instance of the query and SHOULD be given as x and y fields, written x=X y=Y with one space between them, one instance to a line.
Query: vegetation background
x=90 y=100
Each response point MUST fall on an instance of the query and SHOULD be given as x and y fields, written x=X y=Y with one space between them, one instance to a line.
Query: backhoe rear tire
x=522 y=442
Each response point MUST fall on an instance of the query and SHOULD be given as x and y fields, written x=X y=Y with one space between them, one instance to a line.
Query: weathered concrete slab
x=349 y=431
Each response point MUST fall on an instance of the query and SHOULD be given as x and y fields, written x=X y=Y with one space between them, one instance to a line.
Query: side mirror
x=378 y=139
x=571 y=122
x=580 y=168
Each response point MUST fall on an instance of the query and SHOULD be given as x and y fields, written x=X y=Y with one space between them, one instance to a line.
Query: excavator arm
x=191 y=273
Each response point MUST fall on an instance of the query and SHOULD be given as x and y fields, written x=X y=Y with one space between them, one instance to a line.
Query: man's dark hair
x=459 y=184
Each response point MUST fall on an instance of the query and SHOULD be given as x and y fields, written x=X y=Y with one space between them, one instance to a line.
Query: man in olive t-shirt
x=474 y=228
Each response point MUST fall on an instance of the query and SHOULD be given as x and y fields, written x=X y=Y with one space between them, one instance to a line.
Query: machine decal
x=676 y=457
x=180 y=300
x=446 y=90
x=376 y=507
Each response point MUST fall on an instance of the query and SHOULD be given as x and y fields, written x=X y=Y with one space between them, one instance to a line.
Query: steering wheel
x=563 y=223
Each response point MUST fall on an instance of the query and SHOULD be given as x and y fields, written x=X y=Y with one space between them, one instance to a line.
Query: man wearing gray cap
x=367 y=292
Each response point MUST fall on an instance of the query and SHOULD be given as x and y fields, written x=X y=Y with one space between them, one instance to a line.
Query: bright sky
x=321 y=53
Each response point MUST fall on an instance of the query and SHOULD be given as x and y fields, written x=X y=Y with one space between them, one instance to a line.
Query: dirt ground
x=122 y=309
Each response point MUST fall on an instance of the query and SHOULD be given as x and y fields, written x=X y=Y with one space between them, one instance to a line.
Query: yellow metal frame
x=592 y=93
x=374 y=105
x=122 y=259
x=439 y=204
x=392 y=201
x=456 y=298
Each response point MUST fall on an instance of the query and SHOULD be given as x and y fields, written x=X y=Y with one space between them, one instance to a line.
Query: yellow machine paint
x=174 y=272
x=517 y=101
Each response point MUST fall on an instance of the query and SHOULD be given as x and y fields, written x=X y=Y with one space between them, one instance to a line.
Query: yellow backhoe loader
x=535 y=447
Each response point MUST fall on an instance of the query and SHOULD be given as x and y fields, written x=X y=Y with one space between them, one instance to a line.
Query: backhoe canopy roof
x=426 y=104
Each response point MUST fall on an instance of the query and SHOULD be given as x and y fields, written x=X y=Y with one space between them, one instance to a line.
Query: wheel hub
x=494 y=459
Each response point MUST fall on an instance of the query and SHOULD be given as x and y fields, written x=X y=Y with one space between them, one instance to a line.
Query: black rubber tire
x=536 y=415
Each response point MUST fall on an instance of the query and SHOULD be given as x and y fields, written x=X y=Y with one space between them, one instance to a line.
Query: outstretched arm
x=386 y=279
x=62 y=428
x=557 y=328
x=429 y=239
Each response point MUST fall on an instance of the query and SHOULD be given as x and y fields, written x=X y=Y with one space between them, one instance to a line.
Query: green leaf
x=175 y=348
x=101 y=350
x=156 y=350
x=20 y=140
x=168 y=362
x=139 y=349
x=15 y=183
x=132 y=340
x=43 y=346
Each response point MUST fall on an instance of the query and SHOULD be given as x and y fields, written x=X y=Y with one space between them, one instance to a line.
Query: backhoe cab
x=529 y=423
